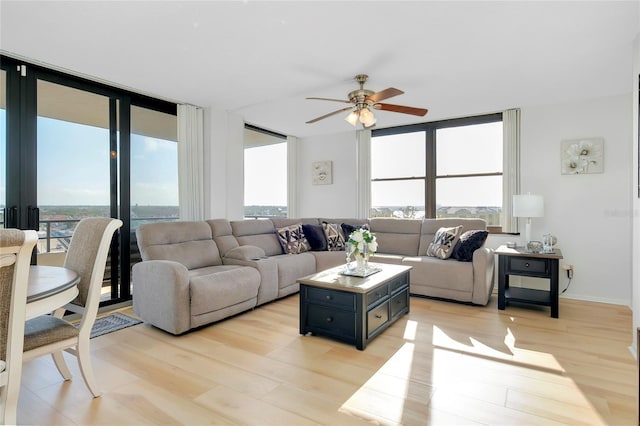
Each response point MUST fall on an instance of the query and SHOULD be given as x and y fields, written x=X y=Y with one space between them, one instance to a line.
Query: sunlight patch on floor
x=383 y=396
x=509 y=352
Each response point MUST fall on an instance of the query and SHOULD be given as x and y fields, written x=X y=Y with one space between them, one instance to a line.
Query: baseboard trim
x=597 y=299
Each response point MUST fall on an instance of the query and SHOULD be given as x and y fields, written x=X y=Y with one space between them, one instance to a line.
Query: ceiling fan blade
x=332 y=100
x=385 y=94
x=401 y=108
x=328 y=115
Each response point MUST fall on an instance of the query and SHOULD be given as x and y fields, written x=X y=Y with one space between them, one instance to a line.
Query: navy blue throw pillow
x=469 y=242
x=315 y=237
x=347 y=229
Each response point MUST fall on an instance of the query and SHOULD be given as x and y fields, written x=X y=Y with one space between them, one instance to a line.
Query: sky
x=403 y=155
x=73 y=166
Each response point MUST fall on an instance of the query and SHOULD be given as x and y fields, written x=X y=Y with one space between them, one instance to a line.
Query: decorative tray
x=357 y=273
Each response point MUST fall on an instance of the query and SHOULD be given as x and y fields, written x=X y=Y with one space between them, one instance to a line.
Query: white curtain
x=510 y=167
x=292 y=176
x=191 y=162
x=363 y=179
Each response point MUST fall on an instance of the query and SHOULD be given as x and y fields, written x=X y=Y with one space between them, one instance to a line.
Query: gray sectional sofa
x=196 y=273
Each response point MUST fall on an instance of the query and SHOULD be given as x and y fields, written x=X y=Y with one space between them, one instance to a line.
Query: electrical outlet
x=569 y=268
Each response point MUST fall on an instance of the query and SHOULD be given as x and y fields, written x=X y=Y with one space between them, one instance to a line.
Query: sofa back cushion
x=397 y=236
x=431 y=226
x=260 y=233
x=281 y=222
x=223 y=235
x=188 y=243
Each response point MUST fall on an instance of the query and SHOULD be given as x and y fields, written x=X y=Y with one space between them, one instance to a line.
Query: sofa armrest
x=483 y=266
x=161 y=294
x=245 y=253
x=268 y=268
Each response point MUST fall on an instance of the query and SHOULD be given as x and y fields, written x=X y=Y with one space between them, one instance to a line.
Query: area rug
x=111 y=323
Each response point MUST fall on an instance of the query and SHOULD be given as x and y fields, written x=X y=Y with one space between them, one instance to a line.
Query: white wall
x=590 y=213
x=634 y=193
x=335 y=200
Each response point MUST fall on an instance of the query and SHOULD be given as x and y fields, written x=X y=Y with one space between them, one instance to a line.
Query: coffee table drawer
x=376 y=318
x=399 y=282
x=331 y=321
x=332 y=297
x=377 y=294
x=399 y=302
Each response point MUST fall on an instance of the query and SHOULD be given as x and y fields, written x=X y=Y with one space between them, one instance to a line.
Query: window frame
x=431 y=177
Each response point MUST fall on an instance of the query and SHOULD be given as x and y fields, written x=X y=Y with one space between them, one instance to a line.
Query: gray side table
x=517 y=261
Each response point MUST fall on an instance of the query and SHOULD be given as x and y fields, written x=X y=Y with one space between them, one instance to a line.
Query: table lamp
x=528 y=205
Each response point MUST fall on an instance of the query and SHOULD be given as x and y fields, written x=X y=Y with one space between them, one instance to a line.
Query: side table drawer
x=335 y=298
x=376 y=318
x=528 y=266
x=332 y=321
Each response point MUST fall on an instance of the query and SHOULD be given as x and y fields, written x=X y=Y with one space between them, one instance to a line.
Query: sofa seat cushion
x=217 y=287
x=448 y=274
x=294 y=266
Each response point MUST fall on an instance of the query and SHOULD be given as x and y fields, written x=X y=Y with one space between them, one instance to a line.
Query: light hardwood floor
x=442 y=364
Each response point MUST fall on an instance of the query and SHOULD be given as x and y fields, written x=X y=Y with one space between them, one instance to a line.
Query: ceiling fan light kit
x=363 y=101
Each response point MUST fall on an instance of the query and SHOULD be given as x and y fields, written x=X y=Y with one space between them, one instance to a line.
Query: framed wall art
x=582 y=156
x=321 y=173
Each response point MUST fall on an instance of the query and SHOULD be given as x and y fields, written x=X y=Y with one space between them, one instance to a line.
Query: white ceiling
x=260 y=59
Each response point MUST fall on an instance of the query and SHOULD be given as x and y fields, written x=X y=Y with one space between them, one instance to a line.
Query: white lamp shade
x=352 y=118
x=528 y=205
x=367 y=118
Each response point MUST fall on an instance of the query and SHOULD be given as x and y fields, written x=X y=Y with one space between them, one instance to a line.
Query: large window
x=450 y=168
x=265 y=174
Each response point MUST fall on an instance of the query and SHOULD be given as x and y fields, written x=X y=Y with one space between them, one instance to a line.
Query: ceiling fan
x=363 y=101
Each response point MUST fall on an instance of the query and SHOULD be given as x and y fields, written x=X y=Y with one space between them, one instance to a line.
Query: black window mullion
x=430 y=183
x=125 y=197
x=113 y=193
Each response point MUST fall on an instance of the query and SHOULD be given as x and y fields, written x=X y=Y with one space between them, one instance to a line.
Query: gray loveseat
x=196 y=273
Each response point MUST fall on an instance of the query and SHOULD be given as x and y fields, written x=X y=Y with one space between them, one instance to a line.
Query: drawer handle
x=526 y=265
x=329 y=319
x=328 y=296
x=378 y=316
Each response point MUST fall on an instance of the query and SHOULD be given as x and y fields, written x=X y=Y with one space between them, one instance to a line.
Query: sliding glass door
x=66 y=154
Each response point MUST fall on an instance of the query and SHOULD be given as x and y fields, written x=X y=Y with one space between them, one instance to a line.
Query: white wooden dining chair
x=51 y=334
x=15 y=256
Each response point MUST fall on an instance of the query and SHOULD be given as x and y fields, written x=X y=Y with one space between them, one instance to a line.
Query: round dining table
x=50 y=288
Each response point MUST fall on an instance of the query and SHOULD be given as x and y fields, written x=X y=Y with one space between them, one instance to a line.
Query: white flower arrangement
x=363 y=240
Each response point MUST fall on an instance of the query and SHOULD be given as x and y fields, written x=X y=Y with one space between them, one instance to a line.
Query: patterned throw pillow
x=315 y=236
x=469 y=242
x=443 y=242
x=335 y=240
x=292 y=239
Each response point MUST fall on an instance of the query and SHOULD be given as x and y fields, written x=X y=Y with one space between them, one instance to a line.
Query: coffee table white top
x=333 y=279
